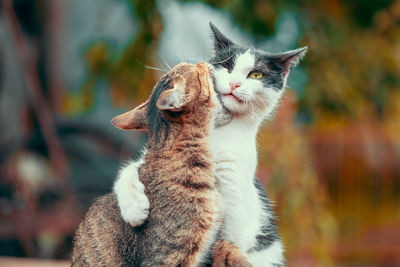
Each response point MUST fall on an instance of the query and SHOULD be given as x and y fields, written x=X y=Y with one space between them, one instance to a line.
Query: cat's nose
x=234 y=85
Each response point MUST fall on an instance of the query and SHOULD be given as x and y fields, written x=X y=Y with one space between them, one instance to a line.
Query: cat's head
x=249 y=81
x=183 y=94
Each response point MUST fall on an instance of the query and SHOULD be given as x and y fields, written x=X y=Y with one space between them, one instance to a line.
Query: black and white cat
x=249 y=84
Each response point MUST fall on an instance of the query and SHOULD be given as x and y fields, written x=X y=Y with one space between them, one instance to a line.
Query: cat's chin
x=234 y=104
x=233 y=97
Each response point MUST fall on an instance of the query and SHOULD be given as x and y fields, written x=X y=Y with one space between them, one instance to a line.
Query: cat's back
x=102 y=236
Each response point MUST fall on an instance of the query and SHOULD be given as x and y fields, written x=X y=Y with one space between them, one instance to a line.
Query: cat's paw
x=227 y=254
x=132 y=200
x=135 y=209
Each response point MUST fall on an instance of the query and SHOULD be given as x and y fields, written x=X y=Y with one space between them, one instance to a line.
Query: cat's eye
x=255 y=75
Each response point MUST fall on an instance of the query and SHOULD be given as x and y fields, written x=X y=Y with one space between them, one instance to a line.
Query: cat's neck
x=238 y=133
x=193 y=132
x=185 y=154
x=246 y=123
x=193 y=127
x=235 y=146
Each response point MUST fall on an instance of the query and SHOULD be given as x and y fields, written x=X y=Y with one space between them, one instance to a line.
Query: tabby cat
x=178 y=174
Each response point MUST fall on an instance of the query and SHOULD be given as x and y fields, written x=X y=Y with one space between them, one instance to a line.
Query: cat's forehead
x=245 y=60
x=243 y=57
x=239 y=50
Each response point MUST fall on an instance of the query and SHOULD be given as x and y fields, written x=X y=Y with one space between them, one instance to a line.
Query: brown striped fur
x=227 y=254
x=179 y=179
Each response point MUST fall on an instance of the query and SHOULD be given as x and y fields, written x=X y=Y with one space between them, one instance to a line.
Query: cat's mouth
x=232 y=96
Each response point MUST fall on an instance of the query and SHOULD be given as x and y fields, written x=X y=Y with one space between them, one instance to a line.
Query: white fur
x=236 y=158
x=132 y=200
x=272 y=256
x=235 y=154
x=235 y=167
x=235 y=151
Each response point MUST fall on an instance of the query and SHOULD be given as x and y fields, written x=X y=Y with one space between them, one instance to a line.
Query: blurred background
x=330 y=158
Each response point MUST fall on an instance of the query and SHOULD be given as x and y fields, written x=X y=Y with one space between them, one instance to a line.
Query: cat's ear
x=291 y=58
x=135 y=119
x=173 y=99
x=220 y=40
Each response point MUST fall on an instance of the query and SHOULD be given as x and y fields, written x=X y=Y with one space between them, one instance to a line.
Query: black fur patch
x=269 y=232
x=225 y=58
x=155 y=119
x=272 y=69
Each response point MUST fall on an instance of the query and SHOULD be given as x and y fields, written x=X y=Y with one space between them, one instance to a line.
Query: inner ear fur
x=135 y=119
x=293 y=57
x=173 y=99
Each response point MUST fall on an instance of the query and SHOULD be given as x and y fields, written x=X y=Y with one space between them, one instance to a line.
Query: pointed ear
x=134 y=119
x=220 y=40
x=173 y=99
x=292 y=58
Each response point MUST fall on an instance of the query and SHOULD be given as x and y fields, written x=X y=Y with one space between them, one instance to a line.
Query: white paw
x=132 y=200
x=135 y=208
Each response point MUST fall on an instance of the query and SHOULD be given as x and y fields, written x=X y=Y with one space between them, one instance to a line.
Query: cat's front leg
x=132 y=200
x=227 y=254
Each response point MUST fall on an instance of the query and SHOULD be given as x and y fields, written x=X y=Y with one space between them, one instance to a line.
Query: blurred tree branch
x=39 y=104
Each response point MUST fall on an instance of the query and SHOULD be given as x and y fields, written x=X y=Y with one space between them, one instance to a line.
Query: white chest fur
x=234 y=148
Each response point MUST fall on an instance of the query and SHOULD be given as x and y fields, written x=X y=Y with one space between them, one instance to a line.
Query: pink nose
x=234 y=85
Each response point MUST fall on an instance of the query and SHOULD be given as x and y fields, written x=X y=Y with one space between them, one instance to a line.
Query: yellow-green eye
x=255 y=75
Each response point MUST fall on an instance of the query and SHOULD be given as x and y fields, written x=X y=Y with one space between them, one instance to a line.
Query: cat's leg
x=132 y=200
x=272 y=256
x=227 y=254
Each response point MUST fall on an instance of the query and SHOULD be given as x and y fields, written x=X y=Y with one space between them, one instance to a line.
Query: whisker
x=253 y=112
x=220 y=62
x=163 y=60
x=154 y=68
x=261 y=104
x=151 y=67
